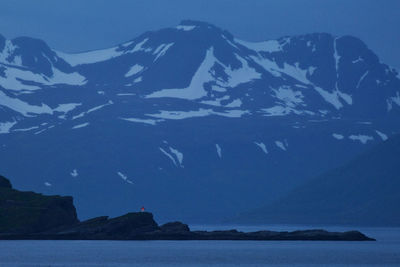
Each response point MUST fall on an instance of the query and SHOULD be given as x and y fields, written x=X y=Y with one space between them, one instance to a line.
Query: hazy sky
x=79 y=25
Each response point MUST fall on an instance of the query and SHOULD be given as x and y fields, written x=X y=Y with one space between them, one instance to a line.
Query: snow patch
x=203 y=75
x=237 y=103
x=383 y=136
x=263 y=147
x=357 y=60
x=90 y=57
x=41 y=131
x=22 y=107
x=100 y=107
x=281 y=145
x=293 y=71
x=5 y=127
x=178 y=155
x=74 y=173
x=135 y=69
x=218 y=88
x=241 y=75
x=161 y=50
x=179 y=115
x=110 y=102
x=311 y=70
x=8 y=50
x=99 y=55
x=336 y=57
x=185 y=27
x=139 y=46
x=65 y=108
x=81 y=125
x=362 y=138
x=394 y=99
x=138 y=79
x=195 y=89
x=14 y=77
x=290 y=97
x=145 y=121
x=338 y=136
x=60 y=77
x=216 y=102
x=229 y=42
x=26 y=129
x=219 y=150
x=124 y=177
x=283 y=111
x=266 y=46
x=276 y=111
x=126 y=94
x=362 y=78
x=334 y=97
x=174 y=155
x=168 y=155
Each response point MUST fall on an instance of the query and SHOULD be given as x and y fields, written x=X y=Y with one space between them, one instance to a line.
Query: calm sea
x=384 y=252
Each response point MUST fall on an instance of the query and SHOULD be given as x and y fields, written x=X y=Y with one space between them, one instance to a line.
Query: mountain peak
x=31 y=53
x=196 y=23
x=189 y=25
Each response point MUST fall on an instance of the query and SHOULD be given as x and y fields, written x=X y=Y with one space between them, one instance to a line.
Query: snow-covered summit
x=309 y=75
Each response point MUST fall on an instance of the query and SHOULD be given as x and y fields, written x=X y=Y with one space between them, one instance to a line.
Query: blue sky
x=79 y=25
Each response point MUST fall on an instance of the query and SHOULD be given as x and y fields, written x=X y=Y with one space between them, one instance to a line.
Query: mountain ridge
x=191 y=113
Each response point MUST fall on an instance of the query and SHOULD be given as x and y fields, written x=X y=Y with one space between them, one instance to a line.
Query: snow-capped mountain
x=189 y=121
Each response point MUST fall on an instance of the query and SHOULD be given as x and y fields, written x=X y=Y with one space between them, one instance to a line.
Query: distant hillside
x=364 y=191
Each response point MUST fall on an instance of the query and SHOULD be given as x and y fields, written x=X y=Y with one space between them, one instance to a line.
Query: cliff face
x=5 y=183
x=29 y=212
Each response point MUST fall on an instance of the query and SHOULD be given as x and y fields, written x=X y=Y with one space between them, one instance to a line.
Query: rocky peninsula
x=32 y=216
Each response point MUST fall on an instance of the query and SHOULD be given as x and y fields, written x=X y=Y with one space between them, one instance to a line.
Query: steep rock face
x=28 y=212
x=5 y=183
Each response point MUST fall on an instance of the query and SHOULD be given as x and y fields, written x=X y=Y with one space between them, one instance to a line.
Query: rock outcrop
x=174 y=227
x=28 y=215
x=29 y=212
x=123 y=227
x=5 y=183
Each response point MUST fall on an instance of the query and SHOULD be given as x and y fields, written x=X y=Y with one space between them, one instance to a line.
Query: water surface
x=384 y=252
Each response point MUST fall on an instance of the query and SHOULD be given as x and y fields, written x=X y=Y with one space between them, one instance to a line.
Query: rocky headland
x=32 y=216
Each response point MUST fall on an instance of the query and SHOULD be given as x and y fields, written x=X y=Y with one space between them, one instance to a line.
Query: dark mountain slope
x=364 y=191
